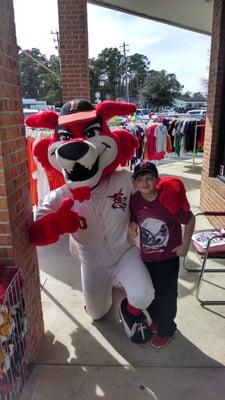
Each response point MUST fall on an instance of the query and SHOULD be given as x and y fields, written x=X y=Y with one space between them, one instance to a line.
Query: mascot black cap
x=76 y=105
x=76 y=110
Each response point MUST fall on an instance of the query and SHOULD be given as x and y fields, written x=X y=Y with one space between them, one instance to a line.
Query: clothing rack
x=37 y=133
x=195 y=133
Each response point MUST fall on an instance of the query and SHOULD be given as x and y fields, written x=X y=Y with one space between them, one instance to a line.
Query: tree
x=40 y=76
x=106 y=72
x=198 y=96
x=95 y=78
x=138 y=67
x=204 y=85
x=51 y=85
x=159 y=89
x=186 y=95
x=30 y=73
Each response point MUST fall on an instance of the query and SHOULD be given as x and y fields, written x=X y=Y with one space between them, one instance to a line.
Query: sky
x=176 y=50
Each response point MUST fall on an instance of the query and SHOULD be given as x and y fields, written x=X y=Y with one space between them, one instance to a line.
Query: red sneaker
x=159 y=342
x=154 y=327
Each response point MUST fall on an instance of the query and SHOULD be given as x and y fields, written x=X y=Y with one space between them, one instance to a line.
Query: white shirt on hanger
x=161 y=137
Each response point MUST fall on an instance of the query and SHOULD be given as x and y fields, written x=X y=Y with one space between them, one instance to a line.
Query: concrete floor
x=83 y=360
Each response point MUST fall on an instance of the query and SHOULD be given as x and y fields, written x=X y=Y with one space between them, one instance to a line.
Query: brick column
x=212 y=190
x=73 y=46
x=15 y=203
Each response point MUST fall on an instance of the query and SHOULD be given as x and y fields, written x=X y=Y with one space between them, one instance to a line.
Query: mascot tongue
x=81 y=194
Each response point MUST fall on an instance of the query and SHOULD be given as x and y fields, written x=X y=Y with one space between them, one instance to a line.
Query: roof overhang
x=195 y=15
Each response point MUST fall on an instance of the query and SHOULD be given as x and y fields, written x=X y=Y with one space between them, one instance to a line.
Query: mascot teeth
x=64 y=163
x=81 y=173
x=89 y=158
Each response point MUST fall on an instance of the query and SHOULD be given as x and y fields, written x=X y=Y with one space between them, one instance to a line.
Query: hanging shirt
x=161 y=136
x=42 y=182
x=32 y=167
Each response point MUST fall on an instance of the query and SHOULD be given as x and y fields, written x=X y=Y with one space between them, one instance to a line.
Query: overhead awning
x=195 y=15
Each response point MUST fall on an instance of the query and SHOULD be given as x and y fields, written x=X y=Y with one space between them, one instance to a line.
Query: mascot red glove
x=48 y=229
x=173 y=195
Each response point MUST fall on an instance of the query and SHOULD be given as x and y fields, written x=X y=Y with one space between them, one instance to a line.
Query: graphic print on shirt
x=154 y=235
x=119 y=200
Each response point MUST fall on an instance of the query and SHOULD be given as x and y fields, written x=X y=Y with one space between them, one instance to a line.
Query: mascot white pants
x=130 y=272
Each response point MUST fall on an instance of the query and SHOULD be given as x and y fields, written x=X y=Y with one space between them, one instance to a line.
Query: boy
x=161 y=245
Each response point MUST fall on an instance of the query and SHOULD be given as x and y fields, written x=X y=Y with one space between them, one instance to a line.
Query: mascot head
x=82 y=148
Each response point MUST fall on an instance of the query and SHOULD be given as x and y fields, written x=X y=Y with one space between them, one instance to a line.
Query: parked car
x=26 y=113
x=142 y=114
x=29 y=111
x=196 y=113
x=122 y=119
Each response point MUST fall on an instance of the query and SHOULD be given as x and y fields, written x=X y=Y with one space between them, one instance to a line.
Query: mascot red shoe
x=93 y=205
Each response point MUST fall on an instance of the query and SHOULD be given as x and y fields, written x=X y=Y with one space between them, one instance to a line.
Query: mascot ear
x=173 y=194
x=127 y=145
x=45 y=119
x=40 y=151
x=108 y=109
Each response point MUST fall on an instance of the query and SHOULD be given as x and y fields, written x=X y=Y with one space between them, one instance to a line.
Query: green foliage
x=188 y=96
x=138 y=66
x=159 y=89
x=50 y=83
x=153 y=88
x=107 y=74
x=38 y=82
x=198 y=96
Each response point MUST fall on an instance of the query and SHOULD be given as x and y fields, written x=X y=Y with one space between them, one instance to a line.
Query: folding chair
x=209 y=252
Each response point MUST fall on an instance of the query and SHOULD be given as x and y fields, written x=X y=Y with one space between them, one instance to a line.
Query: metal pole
x=195 y=140
x=58 y=46
x=126 y=72
x=127 y=85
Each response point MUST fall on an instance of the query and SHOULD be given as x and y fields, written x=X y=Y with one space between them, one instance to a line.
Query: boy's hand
x=181 y=251
x=133 y=230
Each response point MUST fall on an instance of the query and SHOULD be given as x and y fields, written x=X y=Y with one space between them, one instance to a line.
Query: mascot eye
x=64 y=134
x=91 y=132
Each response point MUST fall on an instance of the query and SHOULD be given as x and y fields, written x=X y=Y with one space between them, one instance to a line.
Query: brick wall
x=213 y=190
x=73 y=46
x=15 y=203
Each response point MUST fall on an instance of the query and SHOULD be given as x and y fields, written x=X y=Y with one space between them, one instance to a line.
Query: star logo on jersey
x=119 y=200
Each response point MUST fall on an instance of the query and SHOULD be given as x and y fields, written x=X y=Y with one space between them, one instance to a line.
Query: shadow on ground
x=113 y=377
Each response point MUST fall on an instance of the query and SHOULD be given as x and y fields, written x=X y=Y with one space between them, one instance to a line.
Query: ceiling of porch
x=195 y=15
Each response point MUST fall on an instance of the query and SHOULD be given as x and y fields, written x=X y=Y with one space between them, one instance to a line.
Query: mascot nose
x=73 y=150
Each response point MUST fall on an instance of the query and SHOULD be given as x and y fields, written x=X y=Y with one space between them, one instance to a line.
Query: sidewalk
x=83 y=360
